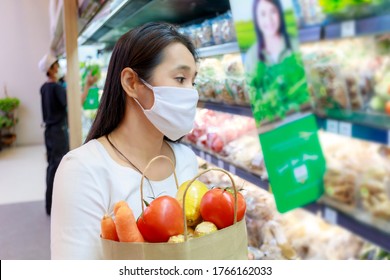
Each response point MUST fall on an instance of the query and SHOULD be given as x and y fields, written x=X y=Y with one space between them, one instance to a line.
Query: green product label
x=92 y=100
x=295 y=163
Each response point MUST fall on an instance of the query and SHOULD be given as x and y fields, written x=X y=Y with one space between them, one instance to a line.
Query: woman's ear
x=130 y=82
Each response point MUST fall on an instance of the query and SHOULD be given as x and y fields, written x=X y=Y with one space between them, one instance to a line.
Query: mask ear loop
x=151 y=88
x=146 y=83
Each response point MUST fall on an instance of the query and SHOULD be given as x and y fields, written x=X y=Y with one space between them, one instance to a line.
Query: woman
x=148 y=103
x=273 y=43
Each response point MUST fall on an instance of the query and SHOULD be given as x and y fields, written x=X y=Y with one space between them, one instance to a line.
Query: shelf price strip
x=330 y=216
x=358 y=131
x=388 y=138
x=345 y=129
x=348 y=28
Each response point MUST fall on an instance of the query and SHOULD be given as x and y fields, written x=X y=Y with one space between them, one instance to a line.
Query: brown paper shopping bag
x=226 y=244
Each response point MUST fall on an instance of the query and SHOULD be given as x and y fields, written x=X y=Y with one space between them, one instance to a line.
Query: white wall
x=24 y=39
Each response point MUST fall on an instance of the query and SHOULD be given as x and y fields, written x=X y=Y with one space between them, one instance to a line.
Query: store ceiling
x=131 y=13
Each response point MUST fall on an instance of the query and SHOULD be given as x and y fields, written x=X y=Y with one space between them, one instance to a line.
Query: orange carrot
x=126 y=226
x=108 y=229
x=119 y=204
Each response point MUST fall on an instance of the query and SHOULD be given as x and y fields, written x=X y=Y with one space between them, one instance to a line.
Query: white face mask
x=173 y=111
x=60 y=73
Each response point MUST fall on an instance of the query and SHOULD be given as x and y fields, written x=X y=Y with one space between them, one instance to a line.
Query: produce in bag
x=204 y=228
x=193 y=195
x=161 y=219
x=217 y=206
x=108 y=229
x=126 y=226
x=210 y=246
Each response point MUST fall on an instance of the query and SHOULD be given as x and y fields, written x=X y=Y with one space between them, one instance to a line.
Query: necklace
x=132 y=164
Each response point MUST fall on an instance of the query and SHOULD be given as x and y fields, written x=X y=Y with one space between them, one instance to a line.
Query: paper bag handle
x=193 y=180
x=143 y=176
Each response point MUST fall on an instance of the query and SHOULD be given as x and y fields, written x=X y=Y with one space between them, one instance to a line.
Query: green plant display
x=6 y=122
x=8 y=104
x=278 y=89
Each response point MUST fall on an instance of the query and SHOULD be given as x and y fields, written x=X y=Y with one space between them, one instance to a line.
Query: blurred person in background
x=54 y=112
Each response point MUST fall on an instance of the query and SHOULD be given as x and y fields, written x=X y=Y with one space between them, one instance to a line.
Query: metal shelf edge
x=362 y=27
x=353 y=130
x=227 y=108
x=218 y=49
x=234 y=169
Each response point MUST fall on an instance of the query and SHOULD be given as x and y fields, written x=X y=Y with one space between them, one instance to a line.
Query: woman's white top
x=88 y=183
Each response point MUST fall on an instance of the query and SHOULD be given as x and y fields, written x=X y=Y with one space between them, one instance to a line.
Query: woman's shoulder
x=90 y=154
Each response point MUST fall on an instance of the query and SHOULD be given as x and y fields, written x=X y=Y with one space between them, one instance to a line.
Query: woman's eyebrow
x=185 y=68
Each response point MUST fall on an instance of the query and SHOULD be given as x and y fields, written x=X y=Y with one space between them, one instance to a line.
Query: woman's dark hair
x=141 y=49
x=259 y=34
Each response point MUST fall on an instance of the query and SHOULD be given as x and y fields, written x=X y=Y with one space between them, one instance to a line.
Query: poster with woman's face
x=268 y=39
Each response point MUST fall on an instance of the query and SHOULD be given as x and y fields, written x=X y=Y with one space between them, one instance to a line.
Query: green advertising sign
x=92 y=100
x=267 y=35
x=295 y=163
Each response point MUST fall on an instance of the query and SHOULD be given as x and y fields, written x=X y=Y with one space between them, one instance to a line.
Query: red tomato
x=217 y=206
x=162 y=219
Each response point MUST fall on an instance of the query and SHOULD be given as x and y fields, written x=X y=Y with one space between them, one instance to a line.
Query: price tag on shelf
x=232 y=169
x=388 y=138
x=345 y=129
x=208 y=158
x=221 y=164
x=348 y=28
x=201 y=154
x=330 y=215
x=332 y=126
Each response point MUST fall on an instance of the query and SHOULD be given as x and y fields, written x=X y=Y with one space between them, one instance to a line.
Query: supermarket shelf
x=358 y=27
x=337 y=217
x=226 y=108
x=369 y=127
x=361 y=130
x=232 y=168
x=328 y=212
x=218 y=49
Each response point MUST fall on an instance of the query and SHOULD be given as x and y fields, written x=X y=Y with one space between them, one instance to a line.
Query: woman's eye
x=180 y=79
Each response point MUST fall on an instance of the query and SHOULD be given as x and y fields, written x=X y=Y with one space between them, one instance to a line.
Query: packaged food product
x=354 y=91
x=328 y=86
x=375 y=192
x=205 y=34
x=216 y=26
x=227 y=28
x=210 y=80
x=340 y=184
